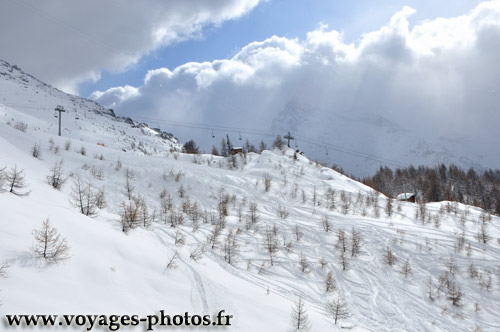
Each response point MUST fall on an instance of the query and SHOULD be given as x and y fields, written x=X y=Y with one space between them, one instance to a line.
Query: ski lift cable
x=264 y=133
x=353 y=152
x=248 y=131
x=209 y=126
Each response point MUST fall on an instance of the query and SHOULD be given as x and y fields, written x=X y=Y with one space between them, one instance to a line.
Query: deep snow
x=112 y=272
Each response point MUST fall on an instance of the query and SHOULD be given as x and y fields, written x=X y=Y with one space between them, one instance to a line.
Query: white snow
x=110 y=272
x=404 y=196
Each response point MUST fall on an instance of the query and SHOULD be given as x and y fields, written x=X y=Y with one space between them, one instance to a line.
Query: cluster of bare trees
x=253 y=215
x=389 y=256
x=335 y=310
x=483 y=278
x=129 y=215
x=87 y=198
x=172 y=174
x=448 y=286
x=213 y=237
x=342 y=201
x=326 y=223
x=231 y=248
x=36 y=151
x=271 y=243
x=56 y=177
x=346 y=201
x=483 y=235
x=21 y=126
x=135 y=211
x=346 y=244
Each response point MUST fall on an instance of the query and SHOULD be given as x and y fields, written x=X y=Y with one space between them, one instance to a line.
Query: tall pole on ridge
x=288 y=137
x=60 y=109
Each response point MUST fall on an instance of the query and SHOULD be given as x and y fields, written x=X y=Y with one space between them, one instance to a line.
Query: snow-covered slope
x=28 y=98
x=113 y=272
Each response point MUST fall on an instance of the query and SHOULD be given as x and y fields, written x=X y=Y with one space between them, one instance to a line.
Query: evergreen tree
x=223 y=148
x=215 y=152
x=278 y=142
x=190 y=147
x=262 y=146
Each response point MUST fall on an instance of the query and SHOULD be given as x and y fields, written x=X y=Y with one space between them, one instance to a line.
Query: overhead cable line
x=251 y=131
x=309 y=140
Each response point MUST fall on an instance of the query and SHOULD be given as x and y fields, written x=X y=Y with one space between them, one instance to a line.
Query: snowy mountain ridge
x=21 y=91
x=249 y=234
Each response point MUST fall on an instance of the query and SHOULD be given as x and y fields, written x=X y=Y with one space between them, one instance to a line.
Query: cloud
x=66 y=44
x=436 y=78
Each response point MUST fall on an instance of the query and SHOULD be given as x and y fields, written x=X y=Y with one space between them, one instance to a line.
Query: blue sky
x=285 y=18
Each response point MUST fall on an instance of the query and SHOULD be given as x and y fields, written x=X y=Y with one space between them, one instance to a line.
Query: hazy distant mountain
x=361 y=143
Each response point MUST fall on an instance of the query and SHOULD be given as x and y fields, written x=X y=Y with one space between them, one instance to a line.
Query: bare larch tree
x=330 y=283
x=83 y=197
x=337 y=309
x=49 y=244
x=56 y=176
x=16 y=182
x=270 y=244
x=300 y=318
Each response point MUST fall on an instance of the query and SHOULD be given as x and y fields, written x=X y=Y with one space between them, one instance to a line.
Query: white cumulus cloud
x=437 y=78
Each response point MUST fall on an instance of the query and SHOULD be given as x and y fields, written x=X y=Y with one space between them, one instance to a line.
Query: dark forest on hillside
x=439 y=183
